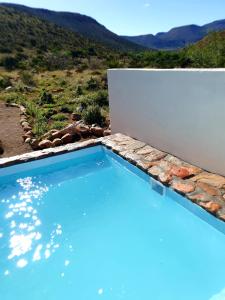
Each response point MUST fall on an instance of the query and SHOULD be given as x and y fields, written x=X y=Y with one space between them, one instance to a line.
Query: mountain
x=27 y=41
x=81 y=24
x=178 y=37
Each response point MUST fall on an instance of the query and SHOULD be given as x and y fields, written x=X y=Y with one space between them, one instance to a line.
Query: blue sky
x=133 y=17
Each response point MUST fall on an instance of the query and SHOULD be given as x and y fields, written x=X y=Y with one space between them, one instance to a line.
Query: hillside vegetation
x=55 y=72
x=81 y=24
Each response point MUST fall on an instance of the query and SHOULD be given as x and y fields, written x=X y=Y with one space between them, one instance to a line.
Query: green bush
x=79 y=91
x=67 y=109
x=92 y=84
x=59 y=117
x=4 y=82
x=46 y=98
x=58 y=125
x=101 y=98
x=32 y=109
x=27 y=78
x=93 y=115
x=40 y=126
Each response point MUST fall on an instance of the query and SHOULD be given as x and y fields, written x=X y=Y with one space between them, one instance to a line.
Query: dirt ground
x=11 y=132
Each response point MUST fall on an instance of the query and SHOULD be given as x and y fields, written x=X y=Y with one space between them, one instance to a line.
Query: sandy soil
x=11 y=132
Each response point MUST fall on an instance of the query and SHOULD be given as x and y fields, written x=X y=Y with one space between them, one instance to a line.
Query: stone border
x=203 y=188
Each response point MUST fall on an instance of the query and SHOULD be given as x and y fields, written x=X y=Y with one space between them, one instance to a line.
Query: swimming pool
x=88 y=225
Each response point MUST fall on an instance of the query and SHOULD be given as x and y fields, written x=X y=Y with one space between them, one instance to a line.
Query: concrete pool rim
x=202 y=188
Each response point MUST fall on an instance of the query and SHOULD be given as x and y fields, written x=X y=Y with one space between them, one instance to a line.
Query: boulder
x=107 y=132
x=56 y=135
x=34 y=144
x=57 y=142
x=83 y=130
x=97 y=131
x=45 y=144
x=27 y=141
x=67 y=138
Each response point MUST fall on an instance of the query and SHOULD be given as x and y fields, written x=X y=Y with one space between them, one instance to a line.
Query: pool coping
x=203 y=188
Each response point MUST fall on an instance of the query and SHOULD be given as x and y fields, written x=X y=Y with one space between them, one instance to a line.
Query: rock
x=27 y=141
x=34 y=144
x=199 y=196
x=22 y=110
x=27 y=128
x=56 y=135
x=25 y=124
x=23 y=120
x=97 y=131
x=83 y=130
x=211 y=206
x=1 y=148
x=71 y=129
x=155 y=155
x=214 y=180
x=180 y=172
x=8 y=88
x=45 y=144
x=57 y=142
x=145 y=150
x=210 y=190
x=107 y=132
x=76 y=117
x=183 y=186
x=67 y=138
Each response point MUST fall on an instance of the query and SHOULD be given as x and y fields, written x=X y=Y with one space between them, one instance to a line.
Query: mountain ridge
x=177 y=37
x=81 y=24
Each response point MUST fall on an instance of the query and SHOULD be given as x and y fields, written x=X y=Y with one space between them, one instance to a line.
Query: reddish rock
x=199 y=196
x=57 y=142
x=97 y=131
x=83 y=130
x=180 y=172
x=45 y=144
x=183 y=186
x=107 y=132
x=214 y=180
x=210 y=190
x=56 y=135
x=67 y=138
x=34 y=144
x=211 y=206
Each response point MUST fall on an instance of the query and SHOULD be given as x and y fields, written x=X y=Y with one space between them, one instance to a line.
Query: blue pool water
x=88 y=225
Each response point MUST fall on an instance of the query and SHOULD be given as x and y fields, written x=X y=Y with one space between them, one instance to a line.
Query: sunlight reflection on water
x=24 y=225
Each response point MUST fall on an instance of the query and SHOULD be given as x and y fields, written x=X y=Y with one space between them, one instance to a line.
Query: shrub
x=92 y=84
x=27 y=78
x=4 y=82
x=9 y=62
x=93 y=115
x=59 y=117
x=46 y=98
x=58 y=125
x=40 y=126
x=101 y=98
x=79 y=91
x=32 y=110
x=67 y=109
